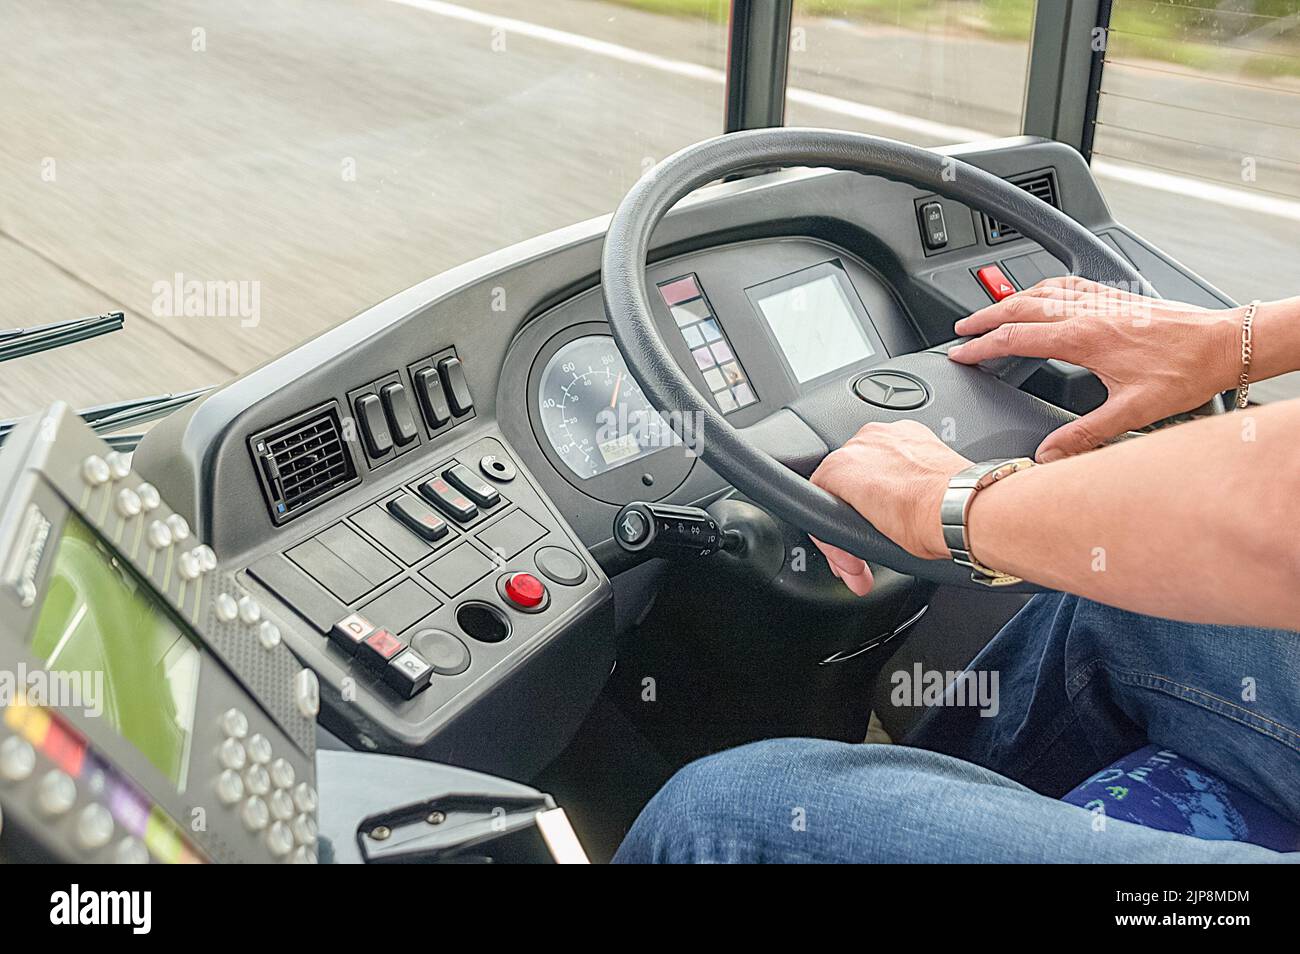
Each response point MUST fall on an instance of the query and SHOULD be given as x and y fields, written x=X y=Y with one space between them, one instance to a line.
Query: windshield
x=238 y=177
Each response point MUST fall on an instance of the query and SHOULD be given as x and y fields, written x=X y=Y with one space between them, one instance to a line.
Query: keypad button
x=179 y=527
x=304 y=796
x=188 y=565
x=378 y=648
x=127 y=503
x=279 y=838
x=351 y=630
x=268 y=634
x=94 y=470
x=17 y=759
x=282 y=773
x=159 y=535
x=56 y=793
x=150 y=499
x=226 y=607
x=207 y=558
x=119 y=464
x=234 y=723
x=94 y=827
x=257 y=780
x=249 y=611
x=232 y=754
x=255 y=814
x=259 y=749
x=131 y=851
x=304 y=830
x=408 y=673
x=230 y=787
x=281 y=805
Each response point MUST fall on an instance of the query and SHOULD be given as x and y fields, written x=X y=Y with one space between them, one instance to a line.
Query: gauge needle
x=618 y=383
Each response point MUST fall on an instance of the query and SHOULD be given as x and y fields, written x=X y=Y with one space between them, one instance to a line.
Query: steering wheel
x=982 y=410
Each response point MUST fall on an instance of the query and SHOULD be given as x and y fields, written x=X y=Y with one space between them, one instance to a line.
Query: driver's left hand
x=895 y=475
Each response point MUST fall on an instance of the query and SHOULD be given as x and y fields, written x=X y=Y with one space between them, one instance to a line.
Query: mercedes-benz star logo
x=891 y=389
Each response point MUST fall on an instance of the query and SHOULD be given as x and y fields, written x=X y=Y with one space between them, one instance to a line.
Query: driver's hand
x=1157 y=358
x=895 y=475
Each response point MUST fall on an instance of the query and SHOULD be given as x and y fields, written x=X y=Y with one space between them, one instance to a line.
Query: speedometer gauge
x=594 y=414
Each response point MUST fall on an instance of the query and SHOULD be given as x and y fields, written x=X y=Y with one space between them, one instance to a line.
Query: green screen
x=97 y=616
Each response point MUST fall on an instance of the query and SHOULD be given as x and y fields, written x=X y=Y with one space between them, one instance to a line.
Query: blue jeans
x=1080 y=685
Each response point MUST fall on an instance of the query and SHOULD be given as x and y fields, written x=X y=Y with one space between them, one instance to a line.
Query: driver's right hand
x=1156 y=358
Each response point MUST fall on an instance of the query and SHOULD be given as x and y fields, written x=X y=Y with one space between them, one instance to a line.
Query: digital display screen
x=816 y=328
x=616 y=450
x=97 y=617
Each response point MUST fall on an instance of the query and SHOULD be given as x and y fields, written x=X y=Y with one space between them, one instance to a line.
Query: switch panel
x=453 y=378
x=441 y=390
x=432 y=396
x=934 y=230
x=397 y=406
x=385 y=419
x=447 y=498
x=374 y=426
x=433 y=587
x=419 y=517
x=472 y=485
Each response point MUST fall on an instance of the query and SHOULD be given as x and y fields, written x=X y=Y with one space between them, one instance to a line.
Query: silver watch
x=961 y=491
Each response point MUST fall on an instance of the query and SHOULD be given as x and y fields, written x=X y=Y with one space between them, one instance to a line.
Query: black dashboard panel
x=495 y=318
x=726 y=275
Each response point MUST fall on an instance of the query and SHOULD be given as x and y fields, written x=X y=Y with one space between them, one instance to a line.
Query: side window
x=1197 y=140
x=929 y=72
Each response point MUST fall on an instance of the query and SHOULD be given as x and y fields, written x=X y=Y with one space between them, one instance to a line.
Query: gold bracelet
x=1247 y=347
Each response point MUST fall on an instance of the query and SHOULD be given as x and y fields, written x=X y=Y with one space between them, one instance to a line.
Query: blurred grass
x=1256 y=38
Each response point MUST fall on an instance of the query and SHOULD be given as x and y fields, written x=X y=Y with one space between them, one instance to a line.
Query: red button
x=383 y=644
x=526 y=590
x=994 y=282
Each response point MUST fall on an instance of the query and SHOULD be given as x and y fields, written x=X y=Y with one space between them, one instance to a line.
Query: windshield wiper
x=104 y=418
x=120 y=414
x=18 y=342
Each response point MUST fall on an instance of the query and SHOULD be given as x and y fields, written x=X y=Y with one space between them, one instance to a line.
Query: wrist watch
x=962 y=489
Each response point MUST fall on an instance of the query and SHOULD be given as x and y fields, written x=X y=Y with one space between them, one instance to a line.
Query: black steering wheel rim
x=747 y=467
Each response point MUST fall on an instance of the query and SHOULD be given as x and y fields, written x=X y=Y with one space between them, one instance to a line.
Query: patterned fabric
x=1160 y=789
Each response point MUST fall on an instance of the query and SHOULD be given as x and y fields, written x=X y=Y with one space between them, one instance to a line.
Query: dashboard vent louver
x=303 y=461
x=1041 y=185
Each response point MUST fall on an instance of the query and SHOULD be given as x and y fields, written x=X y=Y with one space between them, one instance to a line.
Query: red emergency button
x=994 y=282
x=524 y=590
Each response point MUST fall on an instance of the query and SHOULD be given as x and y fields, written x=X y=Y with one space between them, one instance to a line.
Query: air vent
x=1041 y=185
x=303 y=461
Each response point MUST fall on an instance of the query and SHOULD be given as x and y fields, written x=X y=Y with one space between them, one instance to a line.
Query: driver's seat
x=1159 y=789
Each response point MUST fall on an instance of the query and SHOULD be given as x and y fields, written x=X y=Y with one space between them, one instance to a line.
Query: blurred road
x=328 y=153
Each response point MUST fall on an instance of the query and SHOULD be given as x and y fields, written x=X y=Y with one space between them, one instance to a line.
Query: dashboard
x=445 y=468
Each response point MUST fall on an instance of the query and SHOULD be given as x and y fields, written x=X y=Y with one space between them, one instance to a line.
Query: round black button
x=633 y=527
x=561 y=566
x=443 y=651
